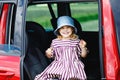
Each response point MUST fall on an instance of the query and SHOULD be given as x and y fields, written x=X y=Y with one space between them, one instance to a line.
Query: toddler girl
x=66 y=50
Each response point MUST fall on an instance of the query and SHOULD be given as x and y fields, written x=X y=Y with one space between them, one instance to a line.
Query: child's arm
x=83 y=48
x=49 y=53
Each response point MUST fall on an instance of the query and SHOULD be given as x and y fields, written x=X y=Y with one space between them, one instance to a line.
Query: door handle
x=6 y=75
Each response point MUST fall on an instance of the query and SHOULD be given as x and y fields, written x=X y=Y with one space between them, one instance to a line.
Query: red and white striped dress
x=66 y=64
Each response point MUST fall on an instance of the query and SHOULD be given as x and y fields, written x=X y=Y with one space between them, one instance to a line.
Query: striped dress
x=66 y=64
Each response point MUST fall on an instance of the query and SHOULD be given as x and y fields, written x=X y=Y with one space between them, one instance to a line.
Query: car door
x=110 y=36
x=11 y=39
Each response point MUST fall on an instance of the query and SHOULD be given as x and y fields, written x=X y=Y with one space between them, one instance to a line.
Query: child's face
x=65 y=31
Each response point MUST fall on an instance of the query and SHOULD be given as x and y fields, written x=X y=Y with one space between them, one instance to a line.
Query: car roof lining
x=56 y=1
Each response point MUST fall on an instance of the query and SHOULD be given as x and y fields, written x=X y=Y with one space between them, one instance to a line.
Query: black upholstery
x=37 y=35
x=78 y=26
x=35 y=61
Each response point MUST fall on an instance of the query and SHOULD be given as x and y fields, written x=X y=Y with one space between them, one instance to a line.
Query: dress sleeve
x=51 y=44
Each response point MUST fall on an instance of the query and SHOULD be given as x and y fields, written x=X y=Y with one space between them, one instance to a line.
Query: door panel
x=9 y=55
x=111 y=56
x=9 y=67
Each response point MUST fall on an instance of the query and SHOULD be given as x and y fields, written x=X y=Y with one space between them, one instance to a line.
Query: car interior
x=39 y=39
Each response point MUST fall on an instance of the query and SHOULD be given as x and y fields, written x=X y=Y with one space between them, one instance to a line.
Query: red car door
x=9 y=54
x=110 y=45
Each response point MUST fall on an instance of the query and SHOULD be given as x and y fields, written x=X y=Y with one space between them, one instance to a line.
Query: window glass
x=87 y=14
x=9 y=50
x=116 y=15
x=10 y=24
x=1 y=5
x=84 y=12
x=40 y=13
x=8 y=29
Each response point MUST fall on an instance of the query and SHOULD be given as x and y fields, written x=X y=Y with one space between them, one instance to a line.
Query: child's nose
x=65 y=28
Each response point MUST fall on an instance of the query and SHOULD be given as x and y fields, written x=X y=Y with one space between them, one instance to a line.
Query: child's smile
x=65 y=31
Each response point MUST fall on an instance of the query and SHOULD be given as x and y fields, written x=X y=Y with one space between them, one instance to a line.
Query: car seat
x=37 y=35
x=35 y=60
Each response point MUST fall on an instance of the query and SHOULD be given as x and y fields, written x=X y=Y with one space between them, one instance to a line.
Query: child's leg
x=56 y=78
x=53 y=79
x=73 y=79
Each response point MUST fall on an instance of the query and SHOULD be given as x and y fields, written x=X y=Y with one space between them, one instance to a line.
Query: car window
x=9 y=21
x=87 y=14
x=10 y=24
x=1 y=5
x=9 y=11
x=6 y=49
x=116 y=15
x=84 y=12
x=40 y=14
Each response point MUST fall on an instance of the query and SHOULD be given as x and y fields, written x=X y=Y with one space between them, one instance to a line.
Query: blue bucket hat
x=63 y=21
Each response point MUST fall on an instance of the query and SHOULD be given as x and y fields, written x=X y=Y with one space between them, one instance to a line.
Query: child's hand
x=82 y=43
x=49 y=53
x=83 y=48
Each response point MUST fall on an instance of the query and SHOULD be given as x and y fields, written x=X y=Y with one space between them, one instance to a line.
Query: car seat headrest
x=37 y=35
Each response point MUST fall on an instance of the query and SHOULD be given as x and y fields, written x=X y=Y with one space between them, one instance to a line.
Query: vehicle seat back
x=35 y=61
x=37 y=35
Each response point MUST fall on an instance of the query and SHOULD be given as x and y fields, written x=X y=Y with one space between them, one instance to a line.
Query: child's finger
x=82 y=43
x=49 y=55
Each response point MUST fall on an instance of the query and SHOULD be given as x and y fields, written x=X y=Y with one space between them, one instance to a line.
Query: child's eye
x=62 y=27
